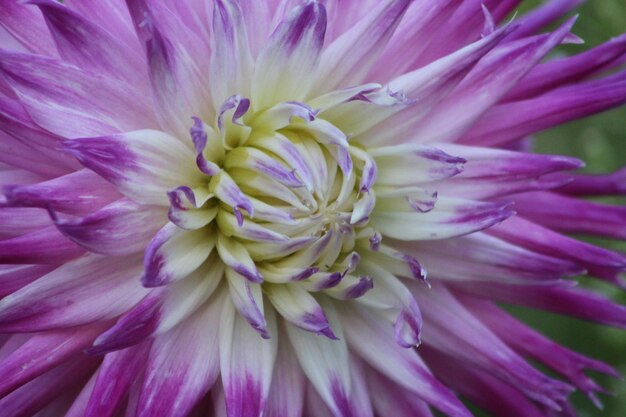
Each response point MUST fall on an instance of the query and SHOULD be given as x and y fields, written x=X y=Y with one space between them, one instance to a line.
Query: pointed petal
x=284 y=66
x=144 y=165
x=246 y=362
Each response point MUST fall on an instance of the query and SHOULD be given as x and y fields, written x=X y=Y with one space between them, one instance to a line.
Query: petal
x=183 y=365
x=231 y=60
x=292 y=53
x=325 y=362
x=41 y=353
x=43 y=246
x=479 y=90
x=349 y=58
x=86 y=45
x=115 y=377
x=144 y=165
x=246 y=363
x=372 y=339
x=174 y=253
x=425 y=163
x=121 y=228
x=176 y=63
x=80 y=192
x=287 y=391
x=162 y=309
x=248 y=300
x=61 y=98
x=395 y=217
x=296 y=305
x=88 y=289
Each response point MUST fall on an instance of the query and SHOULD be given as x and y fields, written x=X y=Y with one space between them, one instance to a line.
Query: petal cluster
x=231 y=207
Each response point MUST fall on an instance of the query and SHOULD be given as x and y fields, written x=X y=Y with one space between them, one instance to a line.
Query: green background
x=601 y=142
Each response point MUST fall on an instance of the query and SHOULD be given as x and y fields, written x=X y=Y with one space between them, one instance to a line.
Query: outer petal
x=284 y=66
x=86 y=45
x=62 y=99
x=372 y=338
x=246 y=362
x=144 y=165
x=174 y=253
x=41 y=353
x=176 y=62
x=287 y=392
x=121 y=228
x=86 y=290
x=348 y=59
x=183 y=365
x=114 y=378
x=326 y=364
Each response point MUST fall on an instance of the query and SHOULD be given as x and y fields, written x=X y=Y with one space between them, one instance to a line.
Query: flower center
x=286 y=198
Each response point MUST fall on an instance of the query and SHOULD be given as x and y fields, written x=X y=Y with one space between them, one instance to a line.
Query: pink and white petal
x=187 y=208
x=43 y=352
x=43 y=246
x=509 y=121
x=79 y=192
x=236 y=256
x=454 y=331
x=529 y=342
x=480 y=387
x=183 y=365
x=175 y=253
x=231 y=62
x=143 y=165
x=299 y=307
x=176 y=62
x=479 y=90
x=26 y=24
x=559 y=72
x=284 y=65
x=114 y=13
x=484 y=162
x=426 y=87
x=287 y=392
x=394 y=302
x=16 y=221
x=480 y=256
x=392 y=400
x=451 y=217
x=60 y=97
x=326 y=363
x=162 y=309
x=121 y=228
x=596 y=185
x=348 y=59
x=85 y=44
x=43 y=393
x=568 y=301
x=246 y=362
x=412 y=37
x=114 y=378
x=551 y=243
x=571 y=215
x=88 y=289
x=425 y=163
x=248 y=300
x=372 y=339
x=14 y=277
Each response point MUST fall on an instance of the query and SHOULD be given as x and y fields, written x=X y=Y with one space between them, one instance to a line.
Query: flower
x=228 y=207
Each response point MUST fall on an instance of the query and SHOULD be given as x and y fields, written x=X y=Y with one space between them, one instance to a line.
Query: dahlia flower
x=229 y=207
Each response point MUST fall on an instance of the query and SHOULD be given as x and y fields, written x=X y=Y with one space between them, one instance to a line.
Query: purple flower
x=230 y=207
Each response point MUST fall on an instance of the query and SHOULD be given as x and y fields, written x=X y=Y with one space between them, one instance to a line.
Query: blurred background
x=601 y=142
